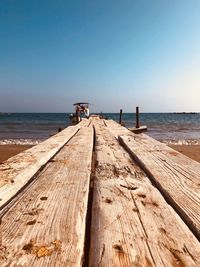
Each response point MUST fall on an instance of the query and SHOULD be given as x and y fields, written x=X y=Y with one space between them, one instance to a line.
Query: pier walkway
x=98 y=195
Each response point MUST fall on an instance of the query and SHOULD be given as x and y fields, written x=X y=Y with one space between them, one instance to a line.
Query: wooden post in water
x=137 y=118
x=120 y=116
x=138 y=129
x=77 y=116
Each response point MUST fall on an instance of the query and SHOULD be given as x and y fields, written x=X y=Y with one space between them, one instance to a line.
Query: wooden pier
x=98 y=195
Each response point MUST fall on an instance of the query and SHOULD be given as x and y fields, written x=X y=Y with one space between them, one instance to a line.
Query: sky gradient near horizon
x=114 y=54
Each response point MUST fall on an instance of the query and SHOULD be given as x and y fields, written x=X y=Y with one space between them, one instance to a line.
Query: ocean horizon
x=32 y=128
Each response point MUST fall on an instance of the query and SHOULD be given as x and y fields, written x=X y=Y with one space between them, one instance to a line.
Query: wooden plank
x=132 y=225
x=17 y=171
x=176 y=176
x=147 y=143
x=46 y=226
x=138 y=130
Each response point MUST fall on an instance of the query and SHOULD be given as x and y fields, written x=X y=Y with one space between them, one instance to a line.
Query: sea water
x=32 y=128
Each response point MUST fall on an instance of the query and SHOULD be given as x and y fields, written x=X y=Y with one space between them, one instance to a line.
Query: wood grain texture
x=17 y=171
x=46 y=226
x=173 y=175
x=176 y=176
x=132 y=225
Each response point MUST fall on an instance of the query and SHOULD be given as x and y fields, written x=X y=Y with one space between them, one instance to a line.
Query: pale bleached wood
x=17 y=171
x=178 y=180
x=132 y=225
x=138 y=130
x=46 y=226
x=176 y=176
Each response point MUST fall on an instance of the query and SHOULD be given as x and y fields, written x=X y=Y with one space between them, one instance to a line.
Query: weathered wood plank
x=176 y=175
x=46 y=226
x=132 y=225
x=138 y=130
x=173 y=175
x=17 y=171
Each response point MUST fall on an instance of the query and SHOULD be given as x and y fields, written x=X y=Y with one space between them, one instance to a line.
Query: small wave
x=20 y=142
x=181 y=142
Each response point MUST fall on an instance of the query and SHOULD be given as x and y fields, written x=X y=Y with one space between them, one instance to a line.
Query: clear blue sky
x=112 y=53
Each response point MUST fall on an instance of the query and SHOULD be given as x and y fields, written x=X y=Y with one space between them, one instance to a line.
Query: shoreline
x=7 y=151
x=191 y=151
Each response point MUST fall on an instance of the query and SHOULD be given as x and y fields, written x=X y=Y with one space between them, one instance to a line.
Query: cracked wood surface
x=176 y=176
x=132 y=225
x=17 y=171
x=46 y=225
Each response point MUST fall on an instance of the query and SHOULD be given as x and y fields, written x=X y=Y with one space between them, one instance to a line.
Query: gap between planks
x=144 y=248
x=175 y=175
x=132 y=225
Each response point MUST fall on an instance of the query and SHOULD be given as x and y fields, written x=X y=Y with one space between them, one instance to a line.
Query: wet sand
x=7 y=151
x=192 y=151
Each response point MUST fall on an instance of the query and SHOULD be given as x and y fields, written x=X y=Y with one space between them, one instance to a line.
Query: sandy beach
x=7 y=151
x=192 y=151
